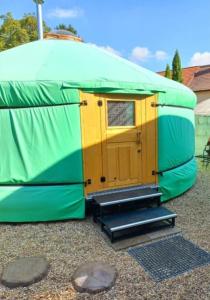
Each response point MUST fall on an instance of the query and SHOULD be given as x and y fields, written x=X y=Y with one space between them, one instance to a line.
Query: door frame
x=148 y=115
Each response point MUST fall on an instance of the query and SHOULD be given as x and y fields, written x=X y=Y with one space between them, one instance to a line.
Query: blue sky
x=144 y=31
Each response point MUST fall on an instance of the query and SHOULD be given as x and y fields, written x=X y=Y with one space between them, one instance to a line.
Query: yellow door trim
x=90 y=120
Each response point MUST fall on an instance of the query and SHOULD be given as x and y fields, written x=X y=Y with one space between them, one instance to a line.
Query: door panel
x=135 y=168
x=111 y=162
x=121 y=127
x=121 y=136
x=124 y=161
x=120 y=164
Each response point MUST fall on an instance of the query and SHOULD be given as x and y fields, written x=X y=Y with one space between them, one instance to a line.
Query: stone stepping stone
x=24 y=271
x=94 y=277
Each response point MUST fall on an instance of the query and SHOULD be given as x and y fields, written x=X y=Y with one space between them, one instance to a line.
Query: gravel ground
x=69 y=244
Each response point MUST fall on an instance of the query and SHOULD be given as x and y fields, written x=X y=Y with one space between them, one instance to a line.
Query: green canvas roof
x=41 y=67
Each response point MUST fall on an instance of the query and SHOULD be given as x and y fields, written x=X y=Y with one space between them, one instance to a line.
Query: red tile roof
x=197 y=78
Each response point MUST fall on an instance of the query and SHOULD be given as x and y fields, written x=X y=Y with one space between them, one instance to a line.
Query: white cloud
x=140 y=54
x=65 y=13
x=160 y=55
x=199 y=58
x=111 y=50
x=108 y=48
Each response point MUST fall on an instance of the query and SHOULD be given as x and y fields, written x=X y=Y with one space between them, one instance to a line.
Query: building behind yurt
x=77 y=120
x=202 y=123
x=197 y=78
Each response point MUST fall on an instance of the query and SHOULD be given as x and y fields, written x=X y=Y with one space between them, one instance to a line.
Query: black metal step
x=137 y=217
x=132 y=219
x=126 y=196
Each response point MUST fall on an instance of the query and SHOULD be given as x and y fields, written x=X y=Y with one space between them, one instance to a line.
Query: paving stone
x=24 y=271
x=94 y=277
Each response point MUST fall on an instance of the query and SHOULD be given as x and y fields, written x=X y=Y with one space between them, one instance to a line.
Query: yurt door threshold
x=119 y=141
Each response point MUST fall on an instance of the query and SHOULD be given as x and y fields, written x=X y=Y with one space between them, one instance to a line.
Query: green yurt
x=76 y=120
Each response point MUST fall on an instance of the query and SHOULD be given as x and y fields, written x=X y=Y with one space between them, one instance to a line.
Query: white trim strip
x=129 y=199
x=142 y=222
x=121 y=189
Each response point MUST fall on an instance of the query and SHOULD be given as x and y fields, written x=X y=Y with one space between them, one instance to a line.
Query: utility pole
x=39 y=18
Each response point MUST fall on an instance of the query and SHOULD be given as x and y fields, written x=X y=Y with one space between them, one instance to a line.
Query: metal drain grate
x=170 y=257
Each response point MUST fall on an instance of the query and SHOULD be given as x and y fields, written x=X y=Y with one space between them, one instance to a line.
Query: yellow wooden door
x=119 y=140
x=121 y=134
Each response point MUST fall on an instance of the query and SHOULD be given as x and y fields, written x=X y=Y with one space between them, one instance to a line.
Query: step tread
x=123 y=196
x=134 y=218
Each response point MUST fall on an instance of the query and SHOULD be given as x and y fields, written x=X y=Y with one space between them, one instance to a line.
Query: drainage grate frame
x=169 y=258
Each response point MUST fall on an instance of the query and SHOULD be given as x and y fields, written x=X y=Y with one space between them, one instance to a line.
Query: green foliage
x=11 y=33
x=16 y=32
x=168 y=71
x=7 y=16
x=29 y=22
x=176 y=67
x=39 y=1
x=68 y=28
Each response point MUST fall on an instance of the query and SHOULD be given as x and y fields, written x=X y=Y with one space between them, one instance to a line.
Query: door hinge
x=153 y=104
x=100 y=103
x=87 y=182
x=103 y=178
x=84 y=103
x=154 y=172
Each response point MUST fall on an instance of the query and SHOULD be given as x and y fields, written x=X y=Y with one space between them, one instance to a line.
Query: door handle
x=138 y=137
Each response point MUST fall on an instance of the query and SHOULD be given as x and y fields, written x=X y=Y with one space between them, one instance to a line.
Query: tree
x=39 y=1
x=16 y=32
x=168 y=71
x=29 y=22
x=176 y=67
x=68 y=28
x=11 y=33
